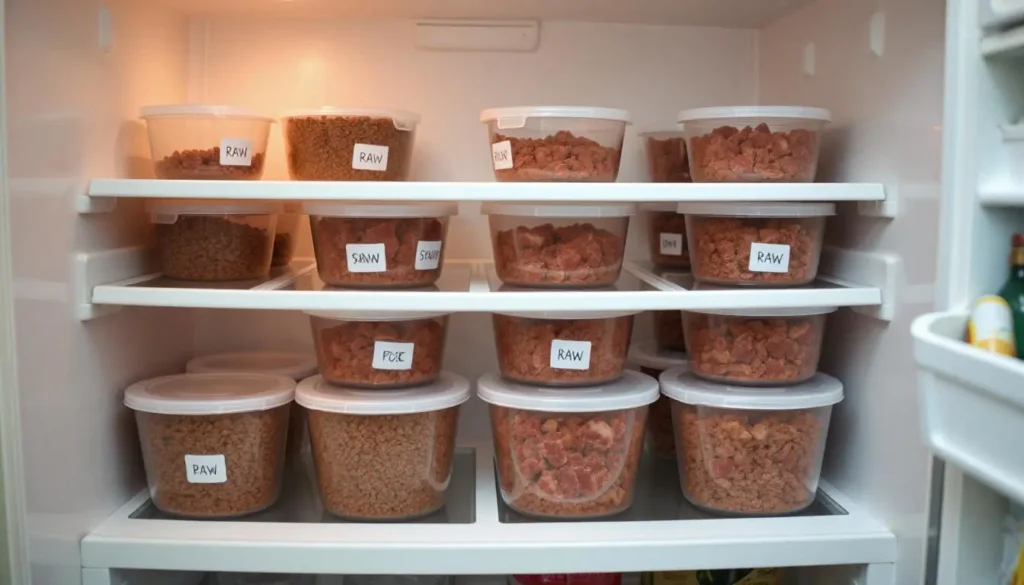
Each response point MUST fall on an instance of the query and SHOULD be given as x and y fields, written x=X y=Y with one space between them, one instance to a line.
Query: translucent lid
x=343 y=209
x=680 y=385
x=567 y=315
x=631 y=390
x=548 y=210
x=660 y=206
x=790 y=112
x=647 y=355
x=403 y=120
x=176 y=207
x=279 y=363
x=516 y=117
x=201 y=110
x=357 y=315
x=448 y=390
x=205 y=394
x=766 y=209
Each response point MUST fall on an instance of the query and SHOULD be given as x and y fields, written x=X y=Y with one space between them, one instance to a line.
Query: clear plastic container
x=558 y=246
x=666 y=234
x=563 y=348
x=364 y=349
x=379 y=246
x=286 y=236
x=213 y=444
x=669 y=332
x=750 y=452
x=555 y=143
x=214 y=241
x=207 y=142
x=349 y=144
x=568 y=453
x=666 y=156
x=383 y=455
x=749 y=144
x=759 y=244
x=653 y=361
x=756 y=347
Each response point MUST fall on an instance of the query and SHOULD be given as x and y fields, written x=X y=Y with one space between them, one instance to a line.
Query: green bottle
x=1013 y=291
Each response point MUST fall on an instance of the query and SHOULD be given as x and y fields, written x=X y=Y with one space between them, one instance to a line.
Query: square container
x=750 y=452
x=756 y=347
x=757 y=244
x=553 y=348
x=214 y=241
x=558 y=246
x=207 y=142
x=349 y=144
x=568 y=453
x=750 y=144
x=666 y=156
x=653 y=361
x=379 y=350
x=379 y=246
x=383 y=455
x=555 y=143
x=286 y=235
x=666 y=234
x=213 y=444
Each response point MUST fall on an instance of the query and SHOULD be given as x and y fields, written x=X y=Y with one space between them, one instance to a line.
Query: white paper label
x=389 y=355
x=370 y=157
x=428 y=255
x=206 y=469
x=768 y=257
x=501 y=153
x=235 y=152
x=366 y=258
x=570 y=355
x=672 y=244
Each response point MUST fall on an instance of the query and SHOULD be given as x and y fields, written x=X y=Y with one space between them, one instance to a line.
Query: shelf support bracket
x=881 y=270
x=91 y=269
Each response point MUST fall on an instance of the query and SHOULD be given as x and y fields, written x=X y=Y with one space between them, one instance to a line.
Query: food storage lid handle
x=511 y=122
x=164 y=218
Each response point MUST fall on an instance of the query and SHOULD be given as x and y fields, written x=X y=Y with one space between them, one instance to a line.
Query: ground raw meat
x=559 y=157
x=723 y=245
x=205 y=165
x=661 y=440
x=668 y=330
x=578 y=254
x=322 y=148
x=214 y=248
x=728 y=154
x=403 y=240
x=667 y=233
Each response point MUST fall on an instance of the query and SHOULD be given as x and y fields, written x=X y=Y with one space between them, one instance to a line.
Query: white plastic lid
x=201 y=110
x=647 y=355
x=206 y=394
x=546 y=210
x=631 y=390
x=403 y=120
x=660 y=206
x=343 y=209
x=766 y=209
x=680 y=385
x=567 y=315
x=167 y=211
x=448 y=390
x=279 y=363
x=789 y=112
x=356 y=315
x=516 y=117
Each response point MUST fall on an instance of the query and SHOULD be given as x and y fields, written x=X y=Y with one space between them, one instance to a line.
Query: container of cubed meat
x=558 y=246
x=666 y=156
x=750 y=452
x=379 y=246
x=555 y=348
x=207 y=142
x=379 y=350
x=568 y=453
x=749 y=144
x=653 y=361
x=757 y=244
x=556 y=143
x=666 y=235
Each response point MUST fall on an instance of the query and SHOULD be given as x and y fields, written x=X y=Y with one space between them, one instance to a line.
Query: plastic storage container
x=750 y=451
x=214 y=241
x=383 y=455
x=570 y=246
x=286 y=236
x=555 y=143
x=653 y=361
x=207 y=142
x=666 y=156
x=349 y=144
x=262 y=579
x=754 y=143
x=666 y=233
x=669 y=332
x=760 y=244
x=379 y=246
x=568 y=453
x=756 y=347
x=553 y=348
x=364 y=349
x=212 y=444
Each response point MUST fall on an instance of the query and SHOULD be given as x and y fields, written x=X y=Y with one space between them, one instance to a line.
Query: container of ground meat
x=383 y=455
x=214 y=240
x=666 y=156
x=286 y=235
x=555 y=143
x=207 y=142
x=379 y=246
x=553 y=348
x=558 y=246
x=213 y=444
x=666 y=234
x=750 y=452
x=757 y=244
x=349 y=144
x=568 y=453
x=379 y=350
x=749 y=144
x=756 y=347
x=653 y=361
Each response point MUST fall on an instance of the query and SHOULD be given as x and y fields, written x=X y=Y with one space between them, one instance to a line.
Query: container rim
x=211 y=207
x=294 y=365
x=631 y=390
x=213 y=111
x=447 y=391
x=774 y=312
x=782 y=112
x=567 y=315
x=759 y=209
x=210 y=394
x=403 y=120
x=526 y=112
x=370 y=210
x=376 y=316
x=682 y=386
x=585 y=210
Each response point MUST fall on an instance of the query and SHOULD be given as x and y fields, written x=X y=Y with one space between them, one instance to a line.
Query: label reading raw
x=235 y=152
x=389 y=355
x=769 y=258
x=570 y=355
x=428 y=255
x=366 y=258
x=370 y=157
x=672 y=244
x=501 y=153
x=206 y=469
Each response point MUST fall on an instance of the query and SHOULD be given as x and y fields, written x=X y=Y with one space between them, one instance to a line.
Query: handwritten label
x=501 y=153
x=370 y=157
x=366 y=258
x=570 y=355
x=428 y=255
x=235 y=152
x=389 y=355
x=672 y=244
x=769 y=258
x=206 y=469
